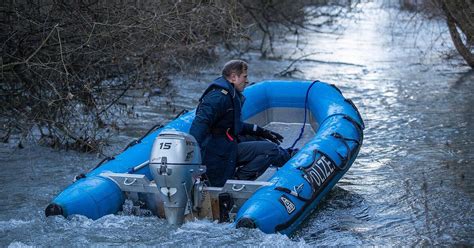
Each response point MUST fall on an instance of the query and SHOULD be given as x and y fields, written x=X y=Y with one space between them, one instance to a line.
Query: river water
x=410 y=186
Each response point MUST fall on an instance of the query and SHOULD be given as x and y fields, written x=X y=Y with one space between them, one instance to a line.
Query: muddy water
x=411 y=184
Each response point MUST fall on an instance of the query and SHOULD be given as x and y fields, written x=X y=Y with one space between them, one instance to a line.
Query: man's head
x=235 y=71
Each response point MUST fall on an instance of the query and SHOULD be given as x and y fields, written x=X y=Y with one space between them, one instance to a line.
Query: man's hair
x=234 y=66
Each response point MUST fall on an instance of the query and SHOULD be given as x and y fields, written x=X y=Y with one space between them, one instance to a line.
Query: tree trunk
x=465 y=25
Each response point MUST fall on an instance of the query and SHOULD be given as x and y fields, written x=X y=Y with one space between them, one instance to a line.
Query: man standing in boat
x=223 y=137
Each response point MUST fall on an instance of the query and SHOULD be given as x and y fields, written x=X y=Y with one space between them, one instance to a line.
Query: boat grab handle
x=234 y=188
x=127 y=183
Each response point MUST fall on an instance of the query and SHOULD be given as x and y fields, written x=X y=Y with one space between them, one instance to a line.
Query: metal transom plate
x=240 y=189
x=132 y=182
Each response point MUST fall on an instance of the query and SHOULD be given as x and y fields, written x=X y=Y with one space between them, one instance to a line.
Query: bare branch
x=4 y=66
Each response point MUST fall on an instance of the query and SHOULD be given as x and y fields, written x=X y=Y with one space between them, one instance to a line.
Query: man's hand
x=270 y=135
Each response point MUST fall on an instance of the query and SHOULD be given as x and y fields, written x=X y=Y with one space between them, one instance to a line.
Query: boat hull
x=296 y=188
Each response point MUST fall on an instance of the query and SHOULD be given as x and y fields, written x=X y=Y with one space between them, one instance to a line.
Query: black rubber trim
x=134 y=142
x=80 y=176
x=53 y=209
x=182 y=112
x=356 y=124
x=335 y=87
x=339 y=136
x=285 y=190
x=314 y=158
x=357 y=111
x=345 y=160
x=103 y=161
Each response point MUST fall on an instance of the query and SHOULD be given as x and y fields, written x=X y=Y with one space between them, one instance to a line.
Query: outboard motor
x=175 y=164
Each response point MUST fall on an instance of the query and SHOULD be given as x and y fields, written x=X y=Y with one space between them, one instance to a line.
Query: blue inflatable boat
x=279 y=202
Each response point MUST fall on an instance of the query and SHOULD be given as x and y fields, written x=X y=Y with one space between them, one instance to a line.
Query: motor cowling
x=175 y=164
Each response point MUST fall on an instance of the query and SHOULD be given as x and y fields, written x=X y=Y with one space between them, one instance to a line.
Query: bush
x=65 y=66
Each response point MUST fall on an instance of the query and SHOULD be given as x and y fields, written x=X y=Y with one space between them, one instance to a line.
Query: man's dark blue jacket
x=219 y=110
